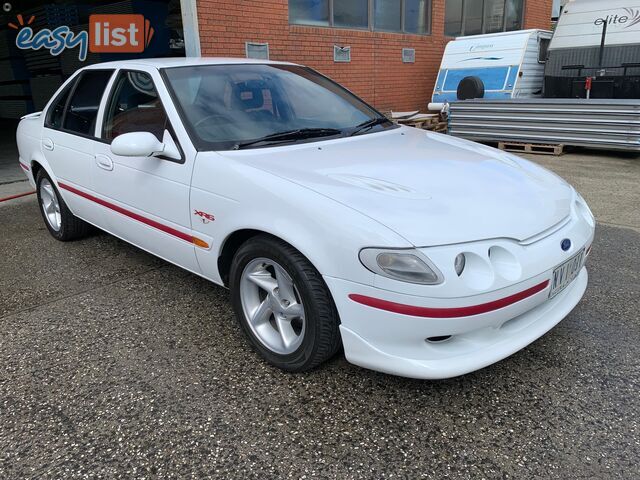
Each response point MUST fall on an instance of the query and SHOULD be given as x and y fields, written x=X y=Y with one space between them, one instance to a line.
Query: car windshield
x=256 y=105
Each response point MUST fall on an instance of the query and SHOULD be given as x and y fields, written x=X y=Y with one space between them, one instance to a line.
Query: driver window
x=134 y=107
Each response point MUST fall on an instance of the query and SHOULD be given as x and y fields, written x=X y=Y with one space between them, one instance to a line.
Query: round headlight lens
x=459 y=263
x=404 y=265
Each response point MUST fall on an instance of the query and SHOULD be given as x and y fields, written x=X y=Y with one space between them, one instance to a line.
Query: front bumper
x=397 y=343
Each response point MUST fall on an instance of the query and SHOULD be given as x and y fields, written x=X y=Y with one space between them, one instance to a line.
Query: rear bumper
x=396 y=343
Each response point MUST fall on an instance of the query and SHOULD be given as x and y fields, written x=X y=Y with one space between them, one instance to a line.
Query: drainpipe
x=190 y=28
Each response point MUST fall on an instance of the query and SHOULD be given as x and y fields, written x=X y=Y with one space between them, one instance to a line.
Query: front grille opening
x=438 y=339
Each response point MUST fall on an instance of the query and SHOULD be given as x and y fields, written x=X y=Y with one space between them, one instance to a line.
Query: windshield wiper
x=298 y=134
x=368 y=125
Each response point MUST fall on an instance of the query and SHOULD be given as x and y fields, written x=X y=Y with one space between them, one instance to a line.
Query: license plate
x=565 y=273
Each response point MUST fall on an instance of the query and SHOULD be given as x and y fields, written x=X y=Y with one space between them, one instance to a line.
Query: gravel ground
x=116 y=364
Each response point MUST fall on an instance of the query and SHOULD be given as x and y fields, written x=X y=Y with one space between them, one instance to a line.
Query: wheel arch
x=39 y=162
x=235 y=240
x=36 y=166
x=230 y=246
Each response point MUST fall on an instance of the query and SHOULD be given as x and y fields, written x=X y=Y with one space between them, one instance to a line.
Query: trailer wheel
x=470 y=87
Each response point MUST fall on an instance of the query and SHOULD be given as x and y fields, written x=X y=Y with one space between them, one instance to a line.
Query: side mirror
x=137 y=144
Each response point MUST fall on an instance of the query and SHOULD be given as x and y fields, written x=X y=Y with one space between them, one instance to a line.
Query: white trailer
x=595 y=48
x=493 y=66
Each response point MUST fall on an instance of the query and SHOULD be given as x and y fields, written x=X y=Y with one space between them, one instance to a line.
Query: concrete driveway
x=116 y=364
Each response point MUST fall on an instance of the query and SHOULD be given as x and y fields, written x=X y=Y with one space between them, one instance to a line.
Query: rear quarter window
x=56 y=110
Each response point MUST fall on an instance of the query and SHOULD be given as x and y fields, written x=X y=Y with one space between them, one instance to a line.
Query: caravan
x=494 y=66
x=596 y=44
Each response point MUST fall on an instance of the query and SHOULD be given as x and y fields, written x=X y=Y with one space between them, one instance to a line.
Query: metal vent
x=409 y=55
x=259 y=51
x=341 y=54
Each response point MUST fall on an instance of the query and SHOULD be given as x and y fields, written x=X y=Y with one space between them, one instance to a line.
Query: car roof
x=183 y=62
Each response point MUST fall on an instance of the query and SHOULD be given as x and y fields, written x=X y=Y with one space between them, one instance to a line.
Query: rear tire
x=283 y=305
x=61 y=223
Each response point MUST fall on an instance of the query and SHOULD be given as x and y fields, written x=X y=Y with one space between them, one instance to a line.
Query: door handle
x=104 y=162
x=47 y=144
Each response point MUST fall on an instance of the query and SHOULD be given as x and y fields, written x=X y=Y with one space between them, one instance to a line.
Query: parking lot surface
x=116 y=364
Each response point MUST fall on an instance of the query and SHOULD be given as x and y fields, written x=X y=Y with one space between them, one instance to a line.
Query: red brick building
x=305 y=31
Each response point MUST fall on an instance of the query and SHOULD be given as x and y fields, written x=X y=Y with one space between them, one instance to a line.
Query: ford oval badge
x=565 y=244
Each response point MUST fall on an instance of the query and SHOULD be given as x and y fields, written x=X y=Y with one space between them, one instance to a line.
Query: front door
x=146 y=199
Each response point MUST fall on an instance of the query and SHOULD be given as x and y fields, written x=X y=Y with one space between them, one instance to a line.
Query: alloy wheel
x=50 y=205
x=272 y=306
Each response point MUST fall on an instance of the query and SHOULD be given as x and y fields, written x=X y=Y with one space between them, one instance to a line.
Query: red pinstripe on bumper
x=455 y=312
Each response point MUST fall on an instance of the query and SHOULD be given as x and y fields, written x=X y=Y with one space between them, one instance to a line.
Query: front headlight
x=584 y=210
x=406 y=265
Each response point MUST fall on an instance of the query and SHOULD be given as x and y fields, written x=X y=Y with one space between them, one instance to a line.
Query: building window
x=473 y=13
x=387 y=15
x=417 y=16
x=514 y=14
x=453 y=18
x=473 y=17
x=400 y=16
x=309 y=12
x=351 y=13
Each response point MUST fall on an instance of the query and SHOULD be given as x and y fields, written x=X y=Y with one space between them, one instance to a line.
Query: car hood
x=431 y=189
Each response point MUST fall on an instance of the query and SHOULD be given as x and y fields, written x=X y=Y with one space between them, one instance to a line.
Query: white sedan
x=421 y=254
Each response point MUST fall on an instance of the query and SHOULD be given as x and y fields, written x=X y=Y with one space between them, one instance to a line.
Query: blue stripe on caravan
x=512 y=77
x=492 y=77
x=440 y=79
x=452 y=96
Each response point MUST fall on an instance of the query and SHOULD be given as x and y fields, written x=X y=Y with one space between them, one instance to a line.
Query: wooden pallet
x=537 y=148
x=440 y=127
x=436 y=122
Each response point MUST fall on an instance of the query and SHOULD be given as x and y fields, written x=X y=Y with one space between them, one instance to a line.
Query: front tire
x=61 y=223
x=283 y=305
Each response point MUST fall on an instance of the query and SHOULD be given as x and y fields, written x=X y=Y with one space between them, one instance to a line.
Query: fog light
x=458 y=263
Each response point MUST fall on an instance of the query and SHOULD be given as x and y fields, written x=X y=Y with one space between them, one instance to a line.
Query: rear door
x=69 y=139
x=146 y=199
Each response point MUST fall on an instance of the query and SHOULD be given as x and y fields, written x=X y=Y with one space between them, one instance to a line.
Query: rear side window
x=134 y=107
x=82 y=109
x=56 y=111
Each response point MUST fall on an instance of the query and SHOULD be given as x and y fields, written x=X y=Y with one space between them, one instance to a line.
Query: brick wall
x=376 y=72
x=537 y=14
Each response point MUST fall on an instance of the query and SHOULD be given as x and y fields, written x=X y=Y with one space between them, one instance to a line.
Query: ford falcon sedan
x=420 y=254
